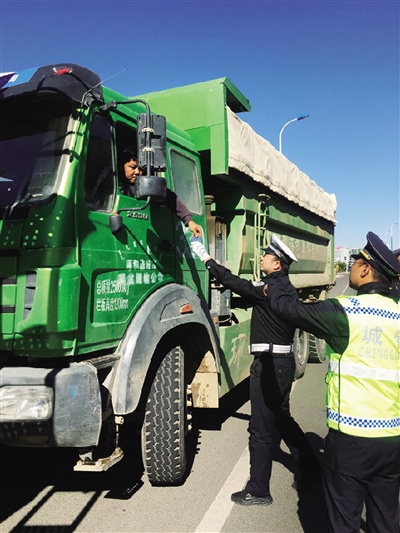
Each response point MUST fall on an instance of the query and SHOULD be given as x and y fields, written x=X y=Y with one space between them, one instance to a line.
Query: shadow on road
x=312 y=512
x=213 y=419
x=27 y=472
x=311 y=504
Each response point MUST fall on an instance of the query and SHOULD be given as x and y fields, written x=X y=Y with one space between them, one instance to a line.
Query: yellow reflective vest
x=363 y=394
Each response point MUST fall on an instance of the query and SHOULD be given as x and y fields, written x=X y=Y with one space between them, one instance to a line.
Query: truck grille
x=3 y=282
x=30 y=289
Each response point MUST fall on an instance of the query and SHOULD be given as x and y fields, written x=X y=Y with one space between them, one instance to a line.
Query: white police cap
x=283 y=252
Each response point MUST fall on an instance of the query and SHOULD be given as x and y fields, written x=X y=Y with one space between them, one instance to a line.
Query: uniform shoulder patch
x=258 y=283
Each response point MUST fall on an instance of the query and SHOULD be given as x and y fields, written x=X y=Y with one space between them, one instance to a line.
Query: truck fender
x=158 y=315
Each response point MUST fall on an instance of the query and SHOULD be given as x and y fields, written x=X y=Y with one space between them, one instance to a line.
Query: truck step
x=101 y=465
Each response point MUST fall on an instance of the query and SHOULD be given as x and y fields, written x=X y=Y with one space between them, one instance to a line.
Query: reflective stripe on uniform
x=359 y=309
x=364 y=372
x=270 y=348
x=365 y=423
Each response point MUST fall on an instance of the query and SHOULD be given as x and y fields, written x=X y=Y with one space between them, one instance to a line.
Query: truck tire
x=317 y=350
x=300 y=350
x=165 y=422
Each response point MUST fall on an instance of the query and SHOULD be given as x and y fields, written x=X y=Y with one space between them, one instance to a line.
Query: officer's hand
x=199 y=249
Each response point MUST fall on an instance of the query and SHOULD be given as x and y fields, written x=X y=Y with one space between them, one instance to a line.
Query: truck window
x=125 y=138
x=186 y=181
x=33 y=136
x=99 y=175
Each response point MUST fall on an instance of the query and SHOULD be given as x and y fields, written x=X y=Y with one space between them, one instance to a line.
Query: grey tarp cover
x=256 y=157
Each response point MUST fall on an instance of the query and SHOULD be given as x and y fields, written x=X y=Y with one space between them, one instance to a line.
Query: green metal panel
x=8 y=292
x=205 y=101
x=58 y=313
x=235 y=361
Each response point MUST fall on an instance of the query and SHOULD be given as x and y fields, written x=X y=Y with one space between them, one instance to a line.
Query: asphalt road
x=40 y=493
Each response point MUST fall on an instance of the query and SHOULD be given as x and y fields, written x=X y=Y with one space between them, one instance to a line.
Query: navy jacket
x=266 y=326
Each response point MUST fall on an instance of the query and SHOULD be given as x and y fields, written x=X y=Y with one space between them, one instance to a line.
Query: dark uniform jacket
x=266 y=326
x=395 y=289
x=326 y=319
x=173 y=202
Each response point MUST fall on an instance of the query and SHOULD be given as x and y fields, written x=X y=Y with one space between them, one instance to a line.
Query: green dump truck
x=106 y=315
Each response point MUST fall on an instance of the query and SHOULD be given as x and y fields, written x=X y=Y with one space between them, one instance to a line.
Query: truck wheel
x=165 y=422
x=317 y=349
x=300 y=349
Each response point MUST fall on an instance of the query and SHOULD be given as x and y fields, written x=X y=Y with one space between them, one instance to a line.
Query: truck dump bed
x=272 y=193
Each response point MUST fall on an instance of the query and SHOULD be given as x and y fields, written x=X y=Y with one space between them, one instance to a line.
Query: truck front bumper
x=50 y=407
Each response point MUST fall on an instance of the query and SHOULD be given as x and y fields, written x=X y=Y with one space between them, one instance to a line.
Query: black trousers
x=271 y=379
x=359 y=470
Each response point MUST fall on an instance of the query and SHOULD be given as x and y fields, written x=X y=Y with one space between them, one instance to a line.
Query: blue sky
x=337 y=61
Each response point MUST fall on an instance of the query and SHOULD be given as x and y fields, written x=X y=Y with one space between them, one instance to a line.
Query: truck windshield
x=32 y=140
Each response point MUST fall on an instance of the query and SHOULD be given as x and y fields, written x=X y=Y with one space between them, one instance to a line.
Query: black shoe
x=244 y=498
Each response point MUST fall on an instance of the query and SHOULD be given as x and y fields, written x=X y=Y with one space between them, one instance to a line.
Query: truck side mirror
x=154 y=187
x=152 y=141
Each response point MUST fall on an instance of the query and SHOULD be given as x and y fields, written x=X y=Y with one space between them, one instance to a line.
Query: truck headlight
x=26 y=403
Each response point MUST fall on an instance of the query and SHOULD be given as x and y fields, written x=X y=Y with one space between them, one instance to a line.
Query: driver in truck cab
x=173 y=202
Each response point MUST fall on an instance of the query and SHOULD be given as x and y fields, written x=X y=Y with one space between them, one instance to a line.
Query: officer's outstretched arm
x=199 y=249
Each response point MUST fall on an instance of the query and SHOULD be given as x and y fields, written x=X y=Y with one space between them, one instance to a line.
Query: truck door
x=120 y=270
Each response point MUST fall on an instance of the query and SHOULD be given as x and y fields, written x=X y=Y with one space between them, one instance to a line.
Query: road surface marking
x=215 y=518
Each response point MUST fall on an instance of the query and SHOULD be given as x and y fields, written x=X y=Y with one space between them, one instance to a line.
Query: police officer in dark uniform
x=271 y=375
x=361 y=462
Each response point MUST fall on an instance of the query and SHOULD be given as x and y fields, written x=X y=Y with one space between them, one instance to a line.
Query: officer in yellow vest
x=362 y=449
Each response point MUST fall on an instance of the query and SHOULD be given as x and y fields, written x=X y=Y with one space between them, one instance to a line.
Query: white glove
x=199 y=249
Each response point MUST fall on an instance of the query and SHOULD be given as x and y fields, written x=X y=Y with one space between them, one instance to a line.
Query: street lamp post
x=384 y=239
x=391 y=235
x=302 y=117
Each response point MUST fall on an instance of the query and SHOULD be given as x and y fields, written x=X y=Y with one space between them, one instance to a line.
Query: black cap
x=378 y=255
x=397 y=252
